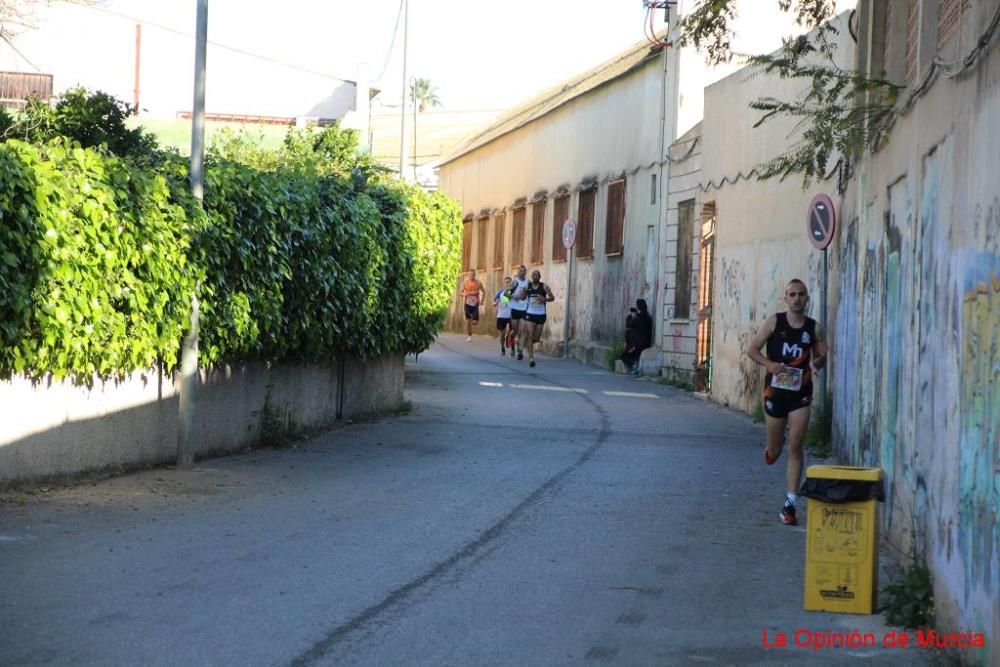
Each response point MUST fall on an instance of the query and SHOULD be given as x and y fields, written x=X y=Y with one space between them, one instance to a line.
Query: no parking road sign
x=569 y=233
x=822 y=221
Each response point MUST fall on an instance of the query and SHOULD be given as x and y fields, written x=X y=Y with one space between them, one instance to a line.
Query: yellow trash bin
x=842 y=538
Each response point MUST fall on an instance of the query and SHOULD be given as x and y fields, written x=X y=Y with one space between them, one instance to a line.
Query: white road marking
x=544 y=387
x=491 y=384
x=630 y=394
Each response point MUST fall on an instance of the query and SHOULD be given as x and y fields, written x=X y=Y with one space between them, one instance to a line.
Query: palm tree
x=424 y=95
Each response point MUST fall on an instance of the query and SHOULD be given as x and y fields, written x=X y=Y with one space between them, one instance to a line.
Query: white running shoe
x=469 y=339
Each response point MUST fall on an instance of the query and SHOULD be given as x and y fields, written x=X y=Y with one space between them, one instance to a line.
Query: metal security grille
x=614 y=241
x=912 y=34
x=949 y=18
x=17 y=87
x=499 y=223
x=517 y=238
x=537 y=232
x=559 y=214
x=585 y=224
x=483 y=224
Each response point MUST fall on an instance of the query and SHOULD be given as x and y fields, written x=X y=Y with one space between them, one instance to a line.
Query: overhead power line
x=392 y=42
x=225 y=47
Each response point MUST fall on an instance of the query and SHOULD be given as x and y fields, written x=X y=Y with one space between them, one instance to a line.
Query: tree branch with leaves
x=841 y=112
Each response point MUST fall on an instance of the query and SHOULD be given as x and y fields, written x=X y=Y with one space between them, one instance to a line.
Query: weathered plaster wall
x=599 y=136
x=761 y=237
x=917 y=350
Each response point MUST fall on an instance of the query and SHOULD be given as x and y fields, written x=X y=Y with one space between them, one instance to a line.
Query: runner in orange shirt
x=473 y=294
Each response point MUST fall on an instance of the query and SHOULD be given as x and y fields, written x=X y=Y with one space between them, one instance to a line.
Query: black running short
x=516 y=314
x=784 y=402
x=537 y=319
x=471 y=312
x=502 y=323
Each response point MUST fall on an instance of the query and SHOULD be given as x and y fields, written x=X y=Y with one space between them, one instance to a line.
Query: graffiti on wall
x=979 y=459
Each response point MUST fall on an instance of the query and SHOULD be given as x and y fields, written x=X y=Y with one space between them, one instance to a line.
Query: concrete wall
x=917 y=348
x=598 y=137
x=61 y=429
x=761 y=235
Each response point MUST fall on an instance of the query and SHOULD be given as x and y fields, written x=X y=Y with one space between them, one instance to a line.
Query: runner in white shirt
x=502 y=303
x=518 y=293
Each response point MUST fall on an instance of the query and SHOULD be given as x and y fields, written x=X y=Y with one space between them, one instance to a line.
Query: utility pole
x=189 y=351
x=406 y=83
x=138 y=55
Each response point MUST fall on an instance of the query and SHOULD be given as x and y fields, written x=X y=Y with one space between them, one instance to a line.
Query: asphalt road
x=559 y=515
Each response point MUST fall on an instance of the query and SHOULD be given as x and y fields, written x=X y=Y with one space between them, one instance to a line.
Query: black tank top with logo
x=793 y=347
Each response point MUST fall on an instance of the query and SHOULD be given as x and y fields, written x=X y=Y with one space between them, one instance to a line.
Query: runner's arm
x=822 y=348
x=758 y=341
x=549 y=296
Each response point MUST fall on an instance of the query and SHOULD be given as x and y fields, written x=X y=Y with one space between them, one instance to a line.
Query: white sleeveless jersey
x=522 y=303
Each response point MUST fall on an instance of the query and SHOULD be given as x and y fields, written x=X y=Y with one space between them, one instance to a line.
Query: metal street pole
x=406 y=83
x=189 y=351
x=569 y=300
x=823 y=314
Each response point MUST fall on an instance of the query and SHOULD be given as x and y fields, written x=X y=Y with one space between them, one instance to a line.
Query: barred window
x=614 y=241
x=682 y=276
x=560 y=213
x=467 y=245
x=538 y=232
x=499 y=222
x=483 y=225
x=517 y=238
x=585 y=224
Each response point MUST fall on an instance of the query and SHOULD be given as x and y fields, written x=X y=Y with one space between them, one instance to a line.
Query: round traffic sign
x=569 y=233
x=821 y=221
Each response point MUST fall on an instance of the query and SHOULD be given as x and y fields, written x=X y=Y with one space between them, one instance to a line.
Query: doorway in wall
x=703 y=347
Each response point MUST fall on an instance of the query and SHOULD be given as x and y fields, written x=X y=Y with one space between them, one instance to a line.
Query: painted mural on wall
x=979 y=459
x=916 y=377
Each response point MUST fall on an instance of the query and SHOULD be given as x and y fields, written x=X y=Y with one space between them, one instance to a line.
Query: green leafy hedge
x=298 y=259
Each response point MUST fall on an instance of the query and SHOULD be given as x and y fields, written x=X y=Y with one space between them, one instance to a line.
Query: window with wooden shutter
x=517 y=238
x=682 y=276
x=538 y=232
x=467 y=245
x=614 y=241
x=499 y=223
x=585 y=224
x=481 y=230
x=560 y=212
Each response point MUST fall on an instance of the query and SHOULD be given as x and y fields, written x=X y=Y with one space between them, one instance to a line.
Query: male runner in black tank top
x=792 y=340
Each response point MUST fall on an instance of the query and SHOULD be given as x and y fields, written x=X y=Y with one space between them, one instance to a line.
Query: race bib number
x=789 y=379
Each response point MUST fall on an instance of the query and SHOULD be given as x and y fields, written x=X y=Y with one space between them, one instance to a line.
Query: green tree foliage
x=298 y=254
x=91 y=119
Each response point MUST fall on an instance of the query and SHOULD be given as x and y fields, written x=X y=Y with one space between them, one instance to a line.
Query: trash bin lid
x=843 y=484
x=844 y=472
